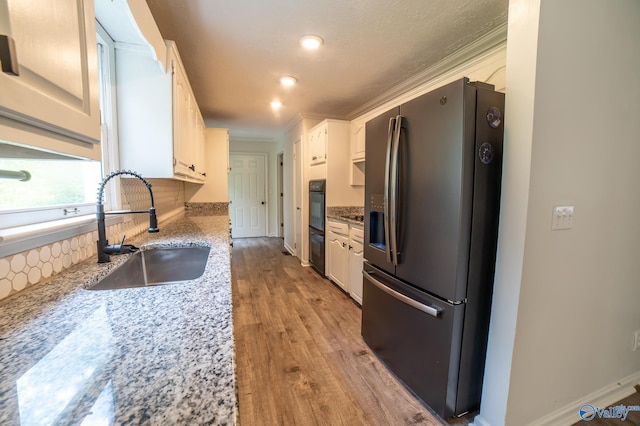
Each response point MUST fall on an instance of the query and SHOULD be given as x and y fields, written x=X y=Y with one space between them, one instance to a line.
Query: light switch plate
x=562 y=218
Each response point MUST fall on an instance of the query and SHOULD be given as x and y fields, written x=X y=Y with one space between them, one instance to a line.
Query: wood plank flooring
x=299 y=354
x=300 y=357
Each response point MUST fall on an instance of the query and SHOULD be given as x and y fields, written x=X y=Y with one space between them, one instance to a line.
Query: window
x=36 y=186
x=39 y=186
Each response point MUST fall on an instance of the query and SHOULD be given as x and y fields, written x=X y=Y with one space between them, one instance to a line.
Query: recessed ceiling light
x=288 y=81
x=311 y=42
x=276 y=104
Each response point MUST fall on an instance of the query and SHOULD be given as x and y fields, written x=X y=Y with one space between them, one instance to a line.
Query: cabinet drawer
x=356 y=234
x=338 y=227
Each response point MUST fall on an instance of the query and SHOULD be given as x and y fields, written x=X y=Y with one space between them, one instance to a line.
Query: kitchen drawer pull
x=434 y=312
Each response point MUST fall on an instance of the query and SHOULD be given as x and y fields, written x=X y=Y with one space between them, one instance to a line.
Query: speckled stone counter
x=156 y=355
x=338 y=213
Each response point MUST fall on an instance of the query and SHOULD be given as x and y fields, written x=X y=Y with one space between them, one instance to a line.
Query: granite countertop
x=154 y=355
x=350 y=214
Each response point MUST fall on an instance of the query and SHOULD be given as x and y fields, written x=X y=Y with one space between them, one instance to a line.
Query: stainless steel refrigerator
x=432 y=196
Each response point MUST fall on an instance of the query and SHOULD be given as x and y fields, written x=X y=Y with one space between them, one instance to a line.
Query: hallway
x=300 y=357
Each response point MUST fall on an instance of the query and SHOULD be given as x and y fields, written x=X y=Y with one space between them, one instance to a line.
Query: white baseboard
x=290 y=249
x=305 y=263
x=568 y=415
x=479 y=421
x=601 y=398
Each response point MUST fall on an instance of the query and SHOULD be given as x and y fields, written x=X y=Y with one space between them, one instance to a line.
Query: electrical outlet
x=562 y=218
x=635 y=344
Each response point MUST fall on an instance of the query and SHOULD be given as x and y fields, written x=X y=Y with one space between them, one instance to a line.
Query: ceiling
x=235 y=52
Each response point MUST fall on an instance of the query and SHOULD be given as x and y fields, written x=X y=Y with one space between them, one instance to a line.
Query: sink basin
x=157 y=266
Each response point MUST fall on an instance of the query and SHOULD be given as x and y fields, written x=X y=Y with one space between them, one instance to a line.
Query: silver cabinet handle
x=434 y=312
x=8 y=55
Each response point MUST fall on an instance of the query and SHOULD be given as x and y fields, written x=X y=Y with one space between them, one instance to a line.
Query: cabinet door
x=338 y=259
x=356 y=260
x=358 y=144
x=321 y=144
x=318 y=144
x=181 y=122
x=200 y=150
x=57 y=83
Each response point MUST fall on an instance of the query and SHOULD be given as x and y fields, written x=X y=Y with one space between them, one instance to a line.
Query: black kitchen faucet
x=104 y=248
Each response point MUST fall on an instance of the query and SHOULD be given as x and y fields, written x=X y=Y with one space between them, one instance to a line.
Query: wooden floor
x=300 y=357
x=299 y=354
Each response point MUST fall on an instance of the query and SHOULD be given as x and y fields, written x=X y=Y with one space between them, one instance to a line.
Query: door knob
x=263 y=202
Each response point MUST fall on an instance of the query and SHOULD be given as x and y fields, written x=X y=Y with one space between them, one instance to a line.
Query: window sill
x=23 y=238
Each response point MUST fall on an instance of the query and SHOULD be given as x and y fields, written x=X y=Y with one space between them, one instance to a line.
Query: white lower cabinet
x=338 y=250
x=356 y=258
x=345 y=257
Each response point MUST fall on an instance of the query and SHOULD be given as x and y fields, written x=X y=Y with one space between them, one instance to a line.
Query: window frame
x=50 y=223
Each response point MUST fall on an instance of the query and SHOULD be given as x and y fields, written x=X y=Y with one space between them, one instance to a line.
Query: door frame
x=265 y=182
x=280 y=193
x=298 y=183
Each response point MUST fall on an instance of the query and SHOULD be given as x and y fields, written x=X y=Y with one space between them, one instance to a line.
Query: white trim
x=108 y=105
x=280 y=194
x=288 y=248
x=479 y=421
x=23 y=238
x=601 y=398
x=568 y=414
x=487 y=43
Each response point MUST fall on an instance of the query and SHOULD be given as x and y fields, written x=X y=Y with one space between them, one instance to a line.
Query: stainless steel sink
x=157 y=266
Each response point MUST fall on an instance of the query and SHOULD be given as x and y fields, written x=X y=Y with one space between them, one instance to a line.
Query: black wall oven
x=316 y=224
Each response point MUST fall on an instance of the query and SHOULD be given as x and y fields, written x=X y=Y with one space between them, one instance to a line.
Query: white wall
x=295 y=132
x=576 y=291
x=269 y=148
x=215 y=189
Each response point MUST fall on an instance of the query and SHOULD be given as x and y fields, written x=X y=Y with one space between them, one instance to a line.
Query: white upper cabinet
x=161 y=129
x=357 y=144
x=318 y=143
x=56 y=86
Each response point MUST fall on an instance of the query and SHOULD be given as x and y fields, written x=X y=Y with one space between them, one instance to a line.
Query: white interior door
x=297 y=197
x=247 y=195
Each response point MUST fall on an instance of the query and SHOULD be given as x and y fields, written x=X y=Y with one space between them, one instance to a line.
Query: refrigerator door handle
x=387 y=177
x=434 y=312
x=393 y=194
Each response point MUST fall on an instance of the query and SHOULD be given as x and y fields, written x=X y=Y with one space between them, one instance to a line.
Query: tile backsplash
x=37 y=265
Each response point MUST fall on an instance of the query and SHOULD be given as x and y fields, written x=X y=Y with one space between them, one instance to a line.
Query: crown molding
x=250 y=139
x=490 y=41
